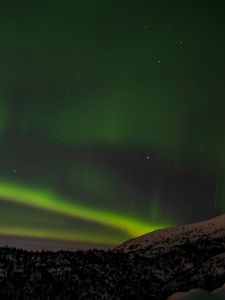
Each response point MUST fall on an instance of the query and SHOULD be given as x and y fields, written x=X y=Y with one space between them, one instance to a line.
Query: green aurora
x=50 y=202
x=111 y=118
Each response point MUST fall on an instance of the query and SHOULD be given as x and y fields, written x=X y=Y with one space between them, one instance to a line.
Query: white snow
x=177 y=235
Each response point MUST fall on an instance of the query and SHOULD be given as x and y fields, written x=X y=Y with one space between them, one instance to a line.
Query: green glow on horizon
x=53 y=203
x=57 y=235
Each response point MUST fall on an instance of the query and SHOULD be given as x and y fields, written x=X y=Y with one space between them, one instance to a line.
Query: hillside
x=153 y=266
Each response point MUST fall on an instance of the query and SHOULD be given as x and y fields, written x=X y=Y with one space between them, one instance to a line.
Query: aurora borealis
x=112 y=119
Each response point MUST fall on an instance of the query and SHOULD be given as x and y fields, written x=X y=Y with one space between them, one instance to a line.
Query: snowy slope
x=212 y=229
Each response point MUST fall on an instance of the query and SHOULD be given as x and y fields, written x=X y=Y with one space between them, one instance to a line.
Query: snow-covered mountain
x=211 y=230
x=153 y=266
x=183 y=257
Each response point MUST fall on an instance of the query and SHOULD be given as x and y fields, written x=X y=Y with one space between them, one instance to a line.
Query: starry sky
x=112 y=119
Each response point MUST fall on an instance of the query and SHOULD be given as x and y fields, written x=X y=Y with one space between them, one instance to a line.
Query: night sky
x=112 y=119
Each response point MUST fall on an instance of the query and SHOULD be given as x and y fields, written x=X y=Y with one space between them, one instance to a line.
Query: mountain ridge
x=211 y=229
